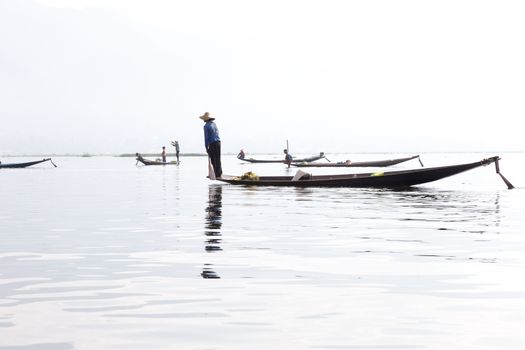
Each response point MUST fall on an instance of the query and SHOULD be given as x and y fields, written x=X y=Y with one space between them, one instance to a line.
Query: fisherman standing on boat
x=287 y=158
x=163 y=154
x=177 y=149
x=212 y=142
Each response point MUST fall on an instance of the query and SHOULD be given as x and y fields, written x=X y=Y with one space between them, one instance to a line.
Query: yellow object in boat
x=250 y=176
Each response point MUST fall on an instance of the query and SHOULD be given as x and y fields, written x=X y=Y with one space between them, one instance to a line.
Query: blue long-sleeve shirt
x=211 y=133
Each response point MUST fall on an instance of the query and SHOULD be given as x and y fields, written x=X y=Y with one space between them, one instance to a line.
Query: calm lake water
x=102 y=254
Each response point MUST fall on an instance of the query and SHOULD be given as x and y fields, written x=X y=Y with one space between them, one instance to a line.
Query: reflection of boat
x=305 y=160
x=347 y=164
x=26 y=164
x=402 y=178
x=153 y=162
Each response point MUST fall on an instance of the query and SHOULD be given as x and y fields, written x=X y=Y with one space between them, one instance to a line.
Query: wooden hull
x=376 y=163
x=23 y=165
x=392 y=179
x=155 y=162
x=305 y=160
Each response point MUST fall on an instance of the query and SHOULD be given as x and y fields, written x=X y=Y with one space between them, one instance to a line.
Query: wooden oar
x=507 y=182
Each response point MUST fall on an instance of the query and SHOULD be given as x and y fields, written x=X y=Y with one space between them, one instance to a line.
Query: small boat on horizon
x=302 y=160
x=145 y=161
x=349 y=164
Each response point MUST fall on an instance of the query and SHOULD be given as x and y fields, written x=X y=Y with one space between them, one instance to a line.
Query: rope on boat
x=507 y=182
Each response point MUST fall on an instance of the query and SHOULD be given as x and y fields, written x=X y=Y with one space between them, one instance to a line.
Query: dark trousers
x=214 y=151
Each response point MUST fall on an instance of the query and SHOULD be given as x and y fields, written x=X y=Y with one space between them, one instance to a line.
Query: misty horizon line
x=197 y=154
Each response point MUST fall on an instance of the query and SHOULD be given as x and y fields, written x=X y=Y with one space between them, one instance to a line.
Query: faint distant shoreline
x=167 y=154
x=87 y=155
x=150 y=154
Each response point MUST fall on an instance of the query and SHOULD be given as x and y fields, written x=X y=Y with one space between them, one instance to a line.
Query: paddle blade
x=507 y=182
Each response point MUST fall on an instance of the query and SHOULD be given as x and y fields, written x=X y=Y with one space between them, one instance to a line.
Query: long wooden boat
x=154 y=162
x=347 y=164
x=391 y=179
x=26 y=164
x=302 y=160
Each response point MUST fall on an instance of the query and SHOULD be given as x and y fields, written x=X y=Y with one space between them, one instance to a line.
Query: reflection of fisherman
x=241 y=154
x=213 y=220
x=287 y=158
x=212 y=227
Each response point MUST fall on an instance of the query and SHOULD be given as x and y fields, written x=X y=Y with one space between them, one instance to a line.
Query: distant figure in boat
x=163 y=154
x=287 y=158
x=177 y=149
x=212 y=142
x=346 y=162
x=241 y=154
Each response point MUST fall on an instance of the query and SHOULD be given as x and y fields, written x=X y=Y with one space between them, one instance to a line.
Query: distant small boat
x=26 y=164
x=154 y=162
x=347 y=164
x=391 y=179
x=303 y=160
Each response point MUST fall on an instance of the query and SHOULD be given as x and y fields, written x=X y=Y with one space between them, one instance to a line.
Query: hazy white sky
x=115 y=76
